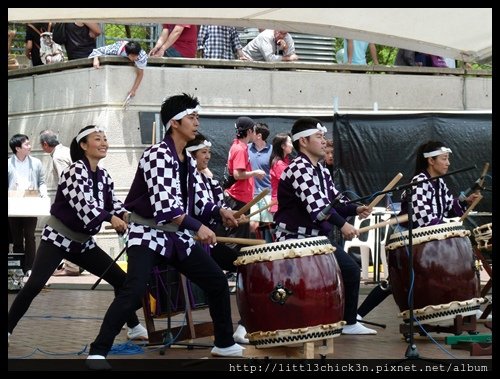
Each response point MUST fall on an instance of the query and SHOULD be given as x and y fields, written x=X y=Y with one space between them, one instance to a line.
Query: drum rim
x=250 y=249
x=426 y=234
x=441 y=312
x=288 y=249
x=283 y=337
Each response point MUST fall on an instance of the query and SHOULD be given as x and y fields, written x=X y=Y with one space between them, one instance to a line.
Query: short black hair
x=302 y=124
x=262 y=129
x=174 y=105
x=17 y=140
x=133 y=47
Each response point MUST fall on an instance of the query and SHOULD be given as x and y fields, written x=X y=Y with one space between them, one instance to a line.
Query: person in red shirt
x=176 y=41
x=238 y=163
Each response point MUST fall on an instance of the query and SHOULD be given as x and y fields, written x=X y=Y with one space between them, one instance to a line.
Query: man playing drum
x=165 y=197
x=304 y=193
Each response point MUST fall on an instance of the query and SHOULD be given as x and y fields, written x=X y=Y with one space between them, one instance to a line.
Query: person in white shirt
x=25 y=174
x=61 y=158
x=271 y=46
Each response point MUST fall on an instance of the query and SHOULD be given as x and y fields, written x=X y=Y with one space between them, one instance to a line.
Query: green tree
x=142 y=33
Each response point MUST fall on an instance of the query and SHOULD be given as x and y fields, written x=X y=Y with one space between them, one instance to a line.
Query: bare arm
x=161 y=40
x=174 y=36
x=169 y=40
x=350 y=49
x=95 y=29
x=373 y=52
x=242 y=174
x=138 y=78
x=27 y=49
x=239 y=53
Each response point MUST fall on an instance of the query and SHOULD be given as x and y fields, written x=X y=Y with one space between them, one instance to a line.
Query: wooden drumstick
x=391 y=221
x=239 y=241
x=483 y=174
x=391 y=184
x=153 y=136
x=257 y=212
x=248 y=205
x=471 y=207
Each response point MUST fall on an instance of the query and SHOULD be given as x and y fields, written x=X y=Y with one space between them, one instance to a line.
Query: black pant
x=243 y=230
x=351 y=277
x=48 y=257
x=198 y=267
x=23 y=238
x=224 y=256
x=374 y=298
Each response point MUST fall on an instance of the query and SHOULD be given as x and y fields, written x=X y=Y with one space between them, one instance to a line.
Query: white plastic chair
x=365 y=244
x=383 y=257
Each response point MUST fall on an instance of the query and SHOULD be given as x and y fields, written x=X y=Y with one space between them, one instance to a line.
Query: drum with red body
x=290 y=292
x=445 y=279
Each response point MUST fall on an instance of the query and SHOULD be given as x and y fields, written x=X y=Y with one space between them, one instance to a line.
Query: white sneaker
x=357 y=328
x=359 y=318
x=240 y=335
x=138 y=332
x=231 y=351
x=97 y=362
x=26 y=277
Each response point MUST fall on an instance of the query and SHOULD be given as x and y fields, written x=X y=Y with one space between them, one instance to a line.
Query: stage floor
x=65 y=318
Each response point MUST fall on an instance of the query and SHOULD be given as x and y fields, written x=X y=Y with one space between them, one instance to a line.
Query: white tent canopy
x=460 y=33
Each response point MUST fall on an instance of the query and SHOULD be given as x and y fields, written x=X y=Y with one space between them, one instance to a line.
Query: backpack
x=228 y=180
x=50 y=52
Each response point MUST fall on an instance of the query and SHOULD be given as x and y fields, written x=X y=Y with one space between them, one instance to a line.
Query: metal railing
x=310 y=48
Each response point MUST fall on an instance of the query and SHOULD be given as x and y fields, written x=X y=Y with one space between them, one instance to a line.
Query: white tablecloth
x=29 y=206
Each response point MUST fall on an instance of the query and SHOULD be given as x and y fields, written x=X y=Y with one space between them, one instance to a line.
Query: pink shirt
x=275 y=174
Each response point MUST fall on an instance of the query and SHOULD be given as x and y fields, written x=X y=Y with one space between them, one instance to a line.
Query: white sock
x=95 y=356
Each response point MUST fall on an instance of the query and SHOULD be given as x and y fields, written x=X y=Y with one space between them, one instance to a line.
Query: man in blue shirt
x=259 y=152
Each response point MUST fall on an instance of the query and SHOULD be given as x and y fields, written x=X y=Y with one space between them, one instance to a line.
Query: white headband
x=205 y=143
x=309 y=132
x=180 y=115
x=86 y=132
x=441 y=150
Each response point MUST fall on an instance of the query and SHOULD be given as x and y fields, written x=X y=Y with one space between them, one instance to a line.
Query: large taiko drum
x=290 y=292
x=445 y=283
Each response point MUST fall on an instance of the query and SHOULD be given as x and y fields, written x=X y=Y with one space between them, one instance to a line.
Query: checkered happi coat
x=432 y=201
x=216 y=195
x=156 y=193
x=76 y=206
x=301 y=198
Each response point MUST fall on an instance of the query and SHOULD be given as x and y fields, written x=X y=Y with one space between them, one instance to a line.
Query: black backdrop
x=371 y=149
